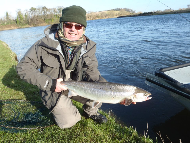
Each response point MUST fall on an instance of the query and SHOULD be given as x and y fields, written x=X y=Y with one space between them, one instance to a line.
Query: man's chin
x=73 y=38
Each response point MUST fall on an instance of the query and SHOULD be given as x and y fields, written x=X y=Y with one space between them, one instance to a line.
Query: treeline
x=44 y=15
x=33 y=16
x=159 y=12
x=109 y=13
x=170 y=11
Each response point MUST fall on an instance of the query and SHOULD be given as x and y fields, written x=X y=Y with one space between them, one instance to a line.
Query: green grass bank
x=12 y=87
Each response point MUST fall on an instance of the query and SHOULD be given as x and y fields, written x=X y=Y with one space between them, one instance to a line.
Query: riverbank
x=157 y=13
x=14 y=26
x=12 y=87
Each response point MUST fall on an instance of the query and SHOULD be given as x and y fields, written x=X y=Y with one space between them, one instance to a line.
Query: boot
x=99 y=118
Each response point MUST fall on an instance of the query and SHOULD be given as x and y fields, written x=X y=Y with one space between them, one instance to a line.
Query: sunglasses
x=77 y=26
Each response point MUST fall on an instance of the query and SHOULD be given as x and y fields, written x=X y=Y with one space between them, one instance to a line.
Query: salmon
x=107 y=92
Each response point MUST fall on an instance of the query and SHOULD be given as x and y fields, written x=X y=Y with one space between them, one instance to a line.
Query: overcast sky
x=12 y=6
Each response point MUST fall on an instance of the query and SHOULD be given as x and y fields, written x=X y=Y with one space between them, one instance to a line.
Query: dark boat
x=175 y=81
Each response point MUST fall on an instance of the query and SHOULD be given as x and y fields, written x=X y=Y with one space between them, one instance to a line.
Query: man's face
x=73 y=31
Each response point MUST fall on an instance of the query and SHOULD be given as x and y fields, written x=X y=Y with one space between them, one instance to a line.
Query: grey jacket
x=44 y=62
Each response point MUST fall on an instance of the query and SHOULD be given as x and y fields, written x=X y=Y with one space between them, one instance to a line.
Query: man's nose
x=73 y=27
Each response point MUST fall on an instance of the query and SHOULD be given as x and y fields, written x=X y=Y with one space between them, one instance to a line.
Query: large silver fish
x=107 y=92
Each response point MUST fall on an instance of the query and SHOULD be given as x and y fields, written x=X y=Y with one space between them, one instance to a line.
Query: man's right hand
x=60 y=86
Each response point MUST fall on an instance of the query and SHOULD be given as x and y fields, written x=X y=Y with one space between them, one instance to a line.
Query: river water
x=127 y=49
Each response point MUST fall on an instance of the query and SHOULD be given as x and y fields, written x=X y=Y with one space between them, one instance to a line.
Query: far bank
x=90 y=16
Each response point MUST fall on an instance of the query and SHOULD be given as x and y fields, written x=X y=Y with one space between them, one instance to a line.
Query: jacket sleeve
x=28 y=69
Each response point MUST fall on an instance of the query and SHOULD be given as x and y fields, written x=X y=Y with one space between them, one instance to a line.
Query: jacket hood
x=51 y=29
x=50 y=41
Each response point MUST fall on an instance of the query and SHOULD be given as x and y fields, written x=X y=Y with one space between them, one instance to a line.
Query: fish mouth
x=143 y=94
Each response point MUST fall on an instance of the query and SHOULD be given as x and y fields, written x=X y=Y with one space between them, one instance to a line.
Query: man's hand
x=60 y=87
x=127 y=102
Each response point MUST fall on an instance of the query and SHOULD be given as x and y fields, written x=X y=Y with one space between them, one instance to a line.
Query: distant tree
x=20 y=18
x=44 y=10
x=26 y=18
x=7 y=17
x=167 y=10
x=33 y=16
x=124 y=9
x=59 y=10
x=32 y=11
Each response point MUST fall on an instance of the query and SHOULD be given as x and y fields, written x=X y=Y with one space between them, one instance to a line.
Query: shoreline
x=13 y=26
x=154 y=13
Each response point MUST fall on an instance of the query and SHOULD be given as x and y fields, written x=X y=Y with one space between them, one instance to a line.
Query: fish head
x=141 y=95
x=141 y=92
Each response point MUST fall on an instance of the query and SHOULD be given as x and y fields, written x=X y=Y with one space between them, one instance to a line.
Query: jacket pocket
x=50 y=66
x=50 y=61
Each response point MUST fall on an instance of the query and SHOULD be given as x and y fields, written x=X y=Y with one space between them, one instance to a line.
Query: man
x=64 y=53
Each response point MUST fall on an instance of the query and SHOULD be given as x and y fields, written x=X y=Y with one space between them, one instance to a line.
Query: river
x=127 y=49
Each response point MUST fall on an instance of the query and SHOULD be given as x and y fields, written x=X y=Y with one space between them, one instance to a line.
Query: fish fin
x=94 y=104
x=71 y=93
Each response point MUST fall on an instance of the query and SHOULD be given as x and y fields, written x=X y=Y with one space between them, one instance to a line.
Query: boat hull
x=172 y=81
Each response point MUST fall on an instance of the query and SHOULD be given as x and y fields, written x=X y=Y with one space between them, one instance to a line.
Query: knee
x=68 y=123
x=66 y=119
x=65 y=113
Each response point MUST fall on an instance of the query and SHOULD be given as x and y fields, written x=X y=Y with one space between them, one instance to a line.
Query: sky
x=12 y=6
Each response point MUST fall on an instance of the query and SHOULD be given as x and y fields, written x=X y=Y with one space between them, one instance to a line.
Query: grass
x=27 y=109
